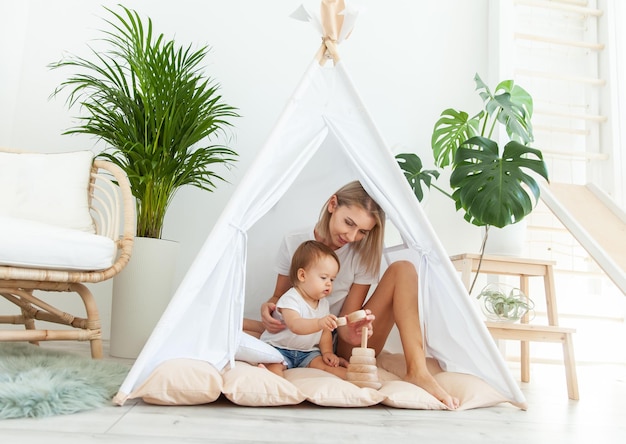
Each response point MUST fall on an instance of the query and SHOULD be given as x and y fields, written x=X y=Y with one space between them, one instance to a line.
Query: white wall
x=408 y=59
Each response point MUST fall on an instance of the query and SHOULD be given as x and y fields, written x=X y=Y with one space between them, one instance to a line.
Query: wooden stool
x=525 y=332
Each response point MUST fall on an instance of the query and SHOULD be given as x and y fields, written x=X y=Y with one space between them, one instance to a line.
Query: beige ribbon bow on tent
x=335 y=23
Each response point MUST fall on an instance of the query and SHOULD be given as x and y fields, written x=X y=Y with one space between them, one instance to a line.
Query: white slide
x=595 y=221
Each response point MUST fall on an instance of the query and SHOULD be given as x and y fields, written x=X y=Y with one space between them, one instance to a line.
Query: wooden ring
x=356 y=316
x=360 y=351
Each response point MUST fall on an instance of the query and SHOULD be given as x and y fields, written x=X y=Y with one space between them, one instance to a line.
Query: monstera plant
x=493 y=185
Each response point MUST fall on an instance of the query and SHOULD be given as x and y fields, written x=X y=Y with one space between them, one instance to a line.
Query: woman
x=353 y=225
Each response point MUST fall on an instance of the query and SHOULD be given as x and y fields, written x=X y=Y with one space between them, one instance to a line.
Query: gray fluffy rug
x=37 y=382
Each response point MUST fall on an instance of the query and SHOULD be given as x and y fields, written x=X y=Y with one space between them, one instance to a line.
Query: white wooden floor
x=598 y=418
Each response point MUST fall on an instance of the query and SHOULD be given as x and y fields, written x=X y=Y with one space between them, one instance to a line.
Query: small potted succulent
x=502 y=303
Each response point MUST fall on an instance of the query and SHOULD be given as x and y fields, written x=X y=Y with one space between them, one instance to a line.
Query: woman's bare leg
x=395 y=302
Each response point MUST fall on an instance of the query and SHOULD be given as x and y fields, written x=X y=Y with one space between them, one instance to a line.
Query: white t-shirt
x=286 y=338
x=352 y=270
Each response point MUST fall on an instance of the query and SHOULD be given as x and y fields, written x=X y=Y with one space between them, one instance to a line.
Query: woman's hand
x=352 y=332
x=270 y=323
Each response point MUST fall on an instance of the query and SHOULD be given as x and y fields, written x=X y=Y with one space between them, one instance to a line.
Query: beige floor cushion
x=189 y=382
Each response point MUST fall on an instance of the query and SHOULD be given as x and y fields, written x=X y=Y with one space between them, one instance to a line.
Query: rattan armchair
x=112 y=209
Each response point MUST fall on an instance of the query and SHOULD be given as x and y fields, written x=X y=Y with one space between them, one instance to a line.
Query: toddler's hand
x=331 y=359
x=328 y=322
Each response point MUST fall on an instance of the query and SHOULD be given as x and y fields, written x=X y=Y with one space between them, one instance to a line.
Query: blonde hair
x=307 y=254
x=370 y=248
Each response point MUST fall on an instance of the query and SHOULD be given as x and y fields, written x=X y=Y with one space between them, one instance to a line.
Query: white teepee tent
x=323 y=139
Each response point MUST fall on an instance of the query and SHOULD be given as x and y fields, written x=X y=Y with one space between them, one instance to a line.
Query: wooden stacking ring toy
x=362 y=370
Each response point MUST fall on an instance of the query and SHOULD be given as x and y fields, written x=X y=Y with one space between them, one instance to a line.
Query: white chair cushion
x=27 y=243
x=49 y=188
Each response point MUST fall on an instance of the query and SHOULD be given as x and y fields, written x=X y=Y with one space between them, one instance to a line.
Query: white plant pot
x=507 y=241
x=141 y=293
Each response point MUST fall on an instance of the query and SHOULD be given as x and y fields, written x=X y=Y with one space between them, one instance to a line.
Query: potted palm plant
x=493 y=186
x=150 y=102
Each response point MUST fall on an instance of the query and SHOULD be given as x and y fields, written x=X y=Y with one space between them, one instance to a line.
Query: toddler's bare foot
x=430 y=384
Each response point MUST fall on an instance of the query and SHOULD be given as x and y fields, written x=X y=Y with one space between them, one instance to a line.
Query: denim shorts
x=297 y=358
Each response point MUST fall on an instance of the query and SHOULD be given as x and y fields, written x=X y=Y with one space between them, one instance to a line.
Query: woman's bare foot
x=430 y=384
